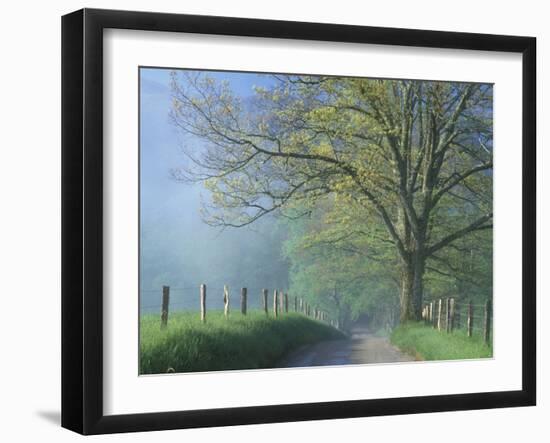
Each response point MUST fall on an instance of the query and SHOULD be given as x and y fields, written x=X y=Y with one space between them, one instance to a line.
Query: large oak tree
x=414 y=156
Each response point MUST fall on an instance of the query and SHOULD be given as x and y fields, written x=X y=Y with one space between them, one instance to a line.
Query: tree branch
x=477 y=225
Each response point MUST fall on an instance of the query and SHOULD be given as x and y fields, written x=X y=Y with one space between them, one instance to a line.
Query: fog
x=177 y=248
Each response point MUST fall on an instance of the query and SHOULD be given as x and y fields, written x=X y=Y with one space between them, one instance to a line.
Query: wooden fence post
x=275 y=304
x=286 y=302
x=434 y=314
x=203 y=302
x=439 y=314
x=487 y=322
x=264 y=300
x=452 y=316
x=295 y=304
x=164 y=308
x=243 y=301
x=225 y=301
x=281 y=302
x=470 y=324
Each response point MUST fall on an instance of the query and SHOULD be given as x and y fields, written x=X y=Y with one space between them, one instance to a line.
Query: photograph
x=294 y=220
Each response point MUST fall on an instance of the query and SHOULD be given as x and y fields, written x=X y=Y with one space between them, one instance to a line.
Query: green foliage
x=464 y=270
x=430 y=344
x=340 y=266
x=240 y=342
x=390 y=175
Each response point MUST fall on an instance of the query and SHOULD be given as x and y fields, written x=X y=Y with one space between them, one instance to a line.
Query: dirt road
x=363 y=347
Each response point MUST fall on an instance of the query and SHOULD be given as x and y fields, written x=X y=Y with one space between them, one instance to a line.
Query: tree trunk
x=405 y=296
x=418 y=286
x=412 y=288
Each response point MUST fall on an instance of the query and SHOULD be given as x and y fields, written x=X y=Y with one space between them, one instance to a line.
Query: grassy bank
x=241 y=342
x=430 y=344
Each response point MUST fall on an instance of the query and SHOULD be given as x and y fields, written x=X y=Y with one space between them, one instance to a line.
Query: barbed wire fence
x=449 y=315
x=201 y=298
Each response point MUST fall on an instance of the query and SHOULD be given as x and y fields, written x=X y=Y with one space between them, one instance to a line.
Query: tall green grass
x=430 y=344
x=240 y=342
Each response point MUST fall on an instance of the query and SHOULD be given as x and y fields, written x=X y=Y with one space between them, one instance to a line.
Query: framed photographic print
x=269 y=221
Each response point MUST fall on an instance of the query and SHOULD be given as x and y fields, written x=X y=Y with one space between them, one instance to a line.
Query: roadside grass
x=240 y=342
x=427 y=343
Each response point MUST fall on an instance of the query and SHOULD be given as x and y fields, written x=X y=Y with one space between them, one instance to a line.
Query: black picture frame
x=82 y=217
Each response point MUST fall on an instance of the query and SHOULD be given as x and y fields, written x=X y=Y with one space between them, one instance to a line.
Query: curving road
x=363 y=347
